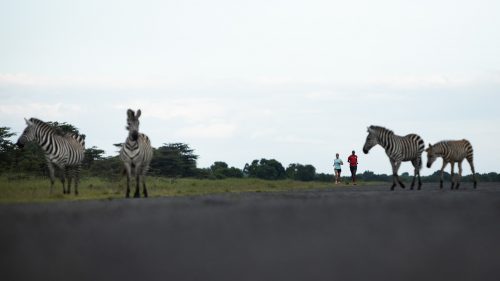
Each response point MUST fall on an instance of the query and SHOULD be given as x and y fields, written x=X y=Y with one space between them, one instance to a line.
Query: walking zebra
x=451 y=152
x=398 y=149
x=136 y=154
x=66 y=151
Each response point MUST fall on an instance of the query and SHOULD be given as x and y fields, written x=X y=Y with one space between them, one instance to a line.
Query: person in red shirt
x=353 y=164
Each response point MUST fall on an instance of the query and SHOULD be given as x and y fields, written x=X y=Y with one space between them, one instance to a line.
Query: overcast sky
x=296 y=81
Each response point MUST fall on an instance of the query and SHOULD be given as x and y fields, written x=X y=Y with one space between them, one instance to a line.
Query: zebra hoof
x=475 y=185
x=392 y=187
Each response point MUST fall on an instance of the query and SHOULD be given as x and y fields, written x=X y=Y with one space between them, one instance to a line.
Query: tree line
x=178 y=160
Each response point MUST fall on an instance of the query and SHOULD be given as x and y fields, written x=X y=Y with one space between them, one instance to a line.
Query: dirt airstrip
x=352 y=233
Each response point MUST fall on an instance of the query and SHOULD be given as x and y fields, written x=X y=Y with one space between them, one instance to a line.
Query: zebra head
x=431 y=155
x=133 y=124
x=371 y=139
x=28 y=134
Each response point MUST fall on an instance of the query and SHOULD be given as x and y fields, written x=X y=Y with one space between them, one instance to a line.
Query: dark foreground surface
x=364 y=233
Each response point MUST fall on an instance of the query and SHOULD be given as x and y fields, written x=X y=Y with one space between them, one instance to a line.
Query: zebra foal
x=452 y=151
x=398 y=149
x=136 y=154
x=65 y=152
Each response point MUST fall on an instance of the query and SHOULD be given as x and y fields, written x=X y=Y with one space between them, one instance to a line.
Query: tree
x=110 y=168
x=174 y=159
x=221 y=170
x=322 y=177
x=91 y=155
x=63 y=128
x=31 y=158
x=371 y=176
x=7 y=149
x=218 y=165
x=301 y=172
x=265 y=169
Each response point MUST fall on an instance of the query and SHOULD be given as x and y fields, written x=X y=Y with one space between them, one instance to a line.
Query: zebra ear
x=130 y=113
x=138 y=114
x=28 y=122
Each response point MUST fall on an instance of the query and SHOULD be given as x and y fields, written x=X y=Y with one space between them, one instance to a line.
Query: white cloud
x=299 y=140
x=44 y=111
x=215 y=130
x=190 y=110
x=425 y=81
x=86 y=81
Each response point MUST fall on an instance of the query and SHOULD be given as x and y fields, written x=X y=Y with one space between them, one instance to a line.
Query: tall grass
x=37 y=189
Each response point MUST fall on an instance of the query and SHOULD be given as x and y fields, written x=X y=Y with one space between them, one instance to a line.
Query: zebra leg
x=473 y=172
x=417 y=171
x=128 y=171
x=415 y=164
x=68 y=177
x=442 y=174
x=63 y=178
x=459 y=174
x=394 y=174
x=77 y=178
x=137 y=194
x=137 y=173
x=144 y=189
x=52 y=176
x=395 y=177
x=452 y=175
x=419 y=181
x=398 y=164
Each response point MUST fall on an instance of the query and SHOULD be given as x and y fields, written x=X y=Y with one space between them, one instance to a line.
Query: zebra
x=398 y=149
x=452 y=151
x=136 y=154
x=64 y=151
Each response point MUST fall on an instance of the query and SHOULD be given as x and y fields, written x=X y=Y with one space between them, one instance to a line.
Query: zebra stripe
x=452 y=151
x=66 y=152
x=398 y=149
x=136 y=154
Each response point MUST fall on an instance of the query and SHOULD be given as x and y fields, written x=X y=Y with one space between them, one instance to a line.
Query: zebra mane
x=381 y=129
x=40 y=123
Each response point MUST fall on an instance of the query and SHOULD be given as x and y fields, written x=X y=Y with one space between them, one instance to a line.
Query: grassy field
x=38 y=189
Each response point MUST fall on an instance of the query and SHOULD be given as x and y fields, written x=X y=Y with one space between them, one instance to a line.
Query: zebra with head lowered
x=65 y=151
x=398 y=149
x=451 y=152
x=136 y=154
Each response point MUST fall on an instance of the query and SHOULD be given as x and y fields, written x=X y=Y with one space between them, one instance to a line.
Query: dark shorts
x=338 y=170
x=354 y=169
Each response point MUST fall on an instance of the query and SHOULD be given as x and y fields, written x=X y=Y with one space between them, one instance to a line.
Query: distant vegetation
x=177 y=160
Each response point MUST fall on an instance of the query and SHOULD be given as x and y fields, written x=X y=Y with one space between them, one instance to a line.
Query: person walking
x=353 y=165
x=336 y=165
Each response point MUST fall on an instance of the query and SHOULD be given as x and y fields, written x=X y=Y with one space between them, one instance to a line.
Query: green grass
x=38 y=189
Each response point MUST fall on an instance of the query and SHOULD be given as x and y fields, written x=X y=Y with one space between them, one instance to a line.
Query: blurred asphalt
x=361 y=233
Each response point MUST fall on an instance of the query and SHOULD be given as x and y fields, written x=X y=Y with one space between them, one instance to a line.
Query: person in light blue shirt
x=336 y=165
